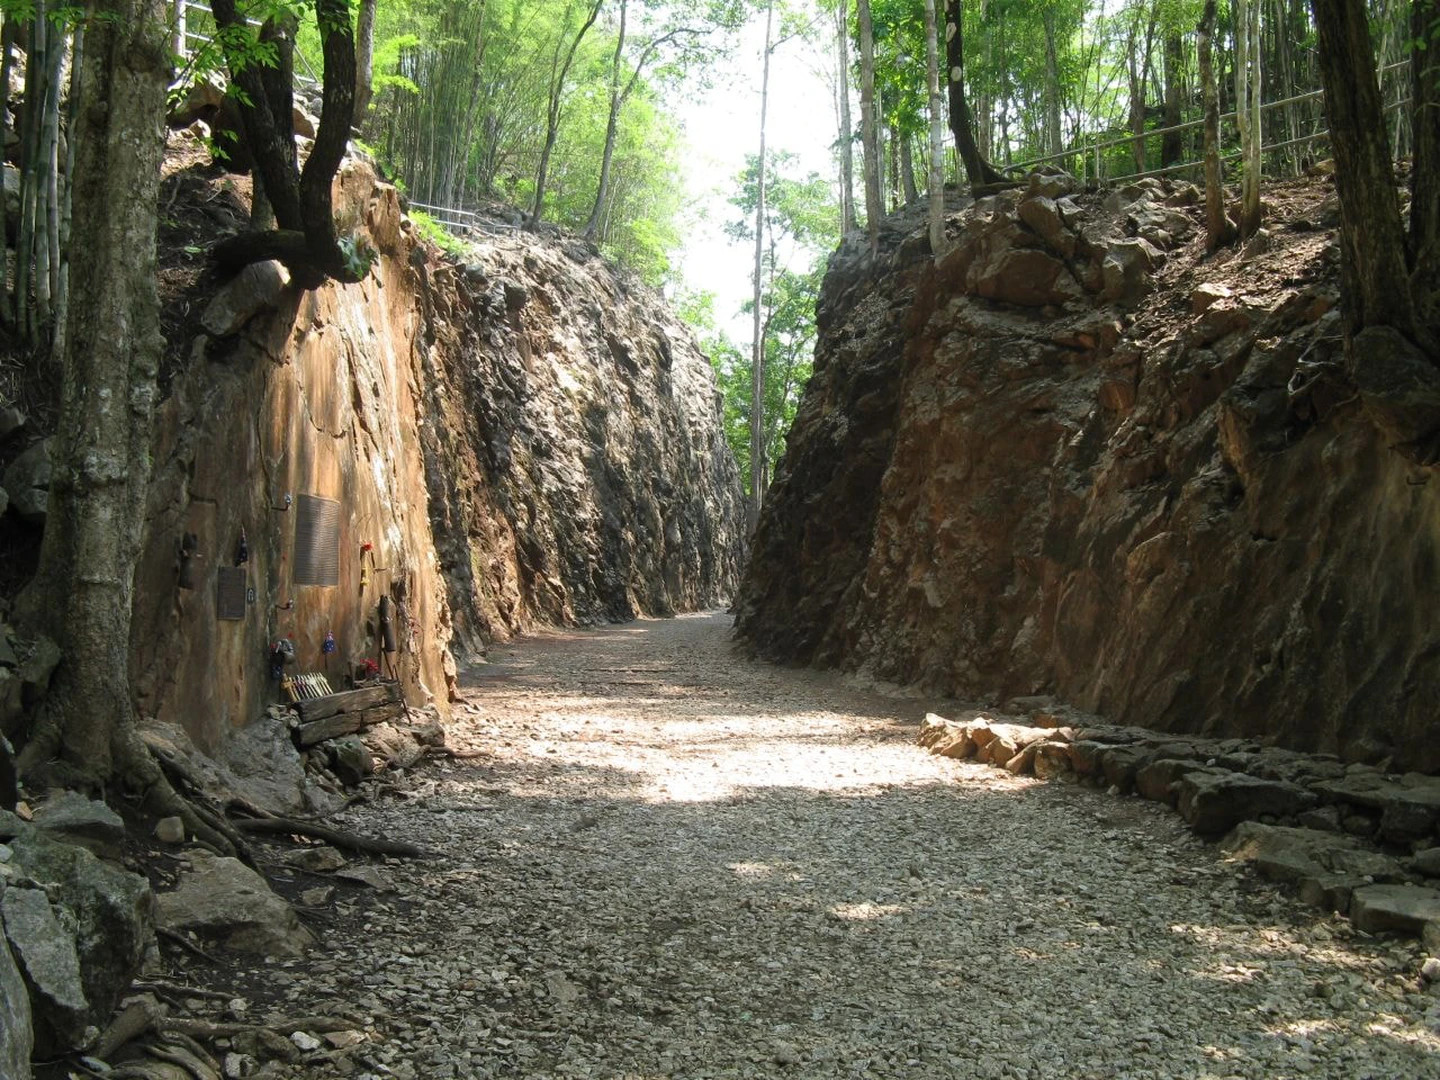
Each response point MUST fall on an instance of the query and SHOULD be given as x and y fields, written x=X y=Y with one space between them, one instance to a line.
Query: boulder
x=1043 y=215
x=1401 y=908
x=255 y=289
x=1026 y=277
x=46 y=955
x=1427 y=862
x=260 y=764
x=1125 y=270
x=1408 y=806
x=1156 y=780
x=320 y=859
x=223 y=899
x=87 y=822
x=1326 y=867
x=27 y=481
x=16 y=1041
x=1214 y=801
x=108 y=914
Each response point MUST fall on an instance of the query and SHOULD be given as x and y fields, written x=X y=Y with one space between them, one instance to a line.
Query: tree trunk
x=82 y=592
x=552 y=116
x=1373 y=271
x=847 y=148
x=1247 y=108
x=1218 y=230
x=364 y=59
x=612 y=125
x=1172 y=145
x=962 y=125
x=1054 y=138
x=757 y=340
x=869 y=126
x=905 y=165
x=62 y=285
x=7 y=40
x=936 y=181
x=1425 y=171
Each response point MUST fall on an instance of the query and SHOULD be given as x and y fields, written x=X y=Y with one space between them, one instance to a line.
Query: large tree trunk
x=962 y=125
x=82 y=593
x=847 y=149
x=1373 y=271
x=869 y=126
x=1218 y=230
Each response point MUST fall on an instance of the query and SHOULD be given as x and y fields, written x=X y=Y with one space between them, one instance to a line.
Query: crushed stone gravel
x=669 y=860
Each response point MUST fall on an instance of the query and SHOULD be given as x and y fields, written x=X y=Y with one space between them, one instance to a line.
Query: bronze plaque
x=230 y=592
x=317 y=540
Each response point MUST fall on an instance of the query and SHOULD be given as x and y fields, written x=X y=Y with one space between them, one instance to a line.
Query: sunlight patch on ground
x=865 y=911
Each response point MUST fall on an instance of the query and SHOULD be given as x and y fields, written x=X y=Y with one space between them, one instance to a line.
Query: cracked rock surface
x=667 y=860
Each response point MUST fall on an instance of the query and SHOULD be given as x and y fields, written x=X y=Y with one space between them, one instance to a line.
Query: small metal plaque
x=230 y=592
x=317 y=540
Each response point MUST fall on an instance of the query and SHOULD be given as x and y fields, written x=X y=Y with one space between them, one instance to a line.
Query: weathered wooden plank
x=345 y=723
x=348 y=701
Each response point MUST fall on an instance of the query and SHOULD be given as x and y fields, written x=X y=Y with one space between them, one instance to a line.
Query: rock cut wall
x=526 y=441
x=1072 y=459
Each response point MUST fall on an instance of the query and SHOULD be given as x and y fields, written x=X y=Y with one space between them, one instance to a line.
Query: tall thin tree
x=869 y=125
x=758 y=465
x=937 y=133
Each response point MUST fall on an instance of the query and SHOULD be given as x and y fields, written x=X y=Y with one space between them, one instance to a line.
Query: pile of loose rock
x=1352 y=839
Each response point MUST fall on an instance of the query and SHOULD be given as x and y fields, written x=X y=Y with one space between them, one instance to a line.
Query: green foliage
x=436 y=233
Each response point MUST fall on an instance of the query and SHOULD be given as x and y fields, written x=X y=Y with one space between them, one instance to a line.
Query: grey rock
x=1214 y=801
x=46 y=953
x=170 y=830
x=16 y=1040
x=1401 y=908
x=255 y=289
x=11 y=418
x=108 y=912
x=1324 y=818
x=318 y=860
x=88 y=822
x=223 y=899
x=27 y=482
x=259 y=763
x=1427 y=862
x=1327 y=867
x=351 y=760
x=1043 y=215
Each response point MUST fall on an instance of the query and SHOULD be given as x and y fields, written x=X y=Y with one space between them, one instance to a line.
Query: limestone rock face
x=528 y=440
x=1146 y=486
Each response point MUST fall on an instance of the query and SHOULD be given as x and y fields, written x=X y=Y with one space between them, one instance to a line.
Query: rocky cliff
x=1075 y=458
x=525 y=440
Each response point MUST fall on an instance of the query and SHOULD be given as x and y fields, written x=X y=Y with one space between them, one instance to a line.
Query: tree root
x=348 y=841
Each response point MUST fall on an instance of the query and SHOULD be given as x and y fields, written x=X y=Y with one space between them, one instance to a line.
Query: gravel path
x=670 y=861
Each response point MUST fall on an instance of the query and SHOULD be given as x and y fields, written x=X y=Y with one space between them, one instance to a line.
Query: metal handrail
x=1188 y=125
